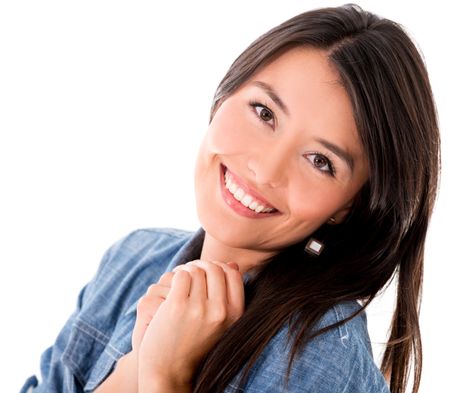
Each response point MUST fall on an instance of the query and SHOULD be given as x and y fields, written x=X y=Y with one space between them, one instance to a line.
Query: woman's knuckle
x=219 y=315
x=183 y=274
x=193 y=263
x=216 y=269
x=197 y=271
x=152 y=289
x=141 y=303
x=193 y=268
x=197 y=312
x=166 y=276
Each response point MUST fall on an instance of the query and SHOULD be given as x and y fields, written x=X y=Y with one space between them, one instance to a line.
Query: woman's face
x=288 y=139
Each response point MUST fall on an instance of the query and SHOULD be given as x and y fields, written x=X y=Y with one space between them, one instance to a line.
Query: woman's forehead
x=306 y=58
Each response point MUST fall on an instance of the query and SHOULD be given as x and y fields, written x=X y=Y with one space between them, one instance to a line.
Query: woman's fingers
x=199 y=285
x=145 y=310
x=148 y=305
x=216 y=288
x=194 y=315
x=181 y=285
x=235 y=289
x=224 y=286
x=166 y=279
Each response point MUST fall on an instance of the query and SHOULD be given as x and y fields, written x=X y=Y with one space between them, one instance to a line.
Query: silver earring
x=314 y=246
x=332 y=220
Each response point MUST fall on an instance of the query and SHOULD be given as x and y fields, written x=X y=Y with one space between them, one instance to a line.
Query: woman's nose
x=269 y=167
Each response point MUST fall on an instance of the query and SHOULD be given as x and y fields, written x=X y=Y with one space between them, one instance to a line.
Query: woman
x=314 y=186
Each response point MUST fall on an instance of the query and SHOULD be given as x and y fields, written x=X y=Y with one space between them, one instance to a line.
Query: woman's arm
x=163 y=385
x=124 y=377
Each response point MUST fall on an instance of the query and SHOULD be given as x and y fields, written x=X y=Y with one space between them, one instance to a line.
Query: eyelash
x=254 y=104
x=331 y=171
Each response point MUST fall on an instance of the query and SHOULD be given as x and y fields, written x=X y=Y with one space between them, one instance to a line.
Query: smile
x=241 y=198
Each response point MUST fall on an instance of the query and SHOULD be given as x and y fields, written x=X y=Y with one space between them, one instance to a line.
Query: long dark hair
x=384 y=234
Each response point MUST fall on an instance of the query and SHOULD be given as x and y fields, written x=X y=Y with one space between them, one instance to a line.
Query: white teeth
x=244 y=198
x=253 y=205
x=239 y=194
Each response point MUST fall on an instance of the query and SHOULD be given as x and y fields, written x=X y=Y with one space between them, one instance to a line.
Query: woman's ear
x=339 y=216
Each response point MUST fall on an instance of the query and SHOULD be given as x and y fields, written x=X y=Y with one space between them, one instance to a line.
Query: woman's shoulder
x=353 y=333
x=339 y=360
x=99 y=332
x=127 y=269
x=347 y=351
x=149 y=239
x=150 y=247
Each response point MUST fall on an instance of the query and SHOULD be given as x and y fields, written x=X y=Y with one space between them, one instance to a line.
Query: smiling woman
x=300 y=191
x=281 y=157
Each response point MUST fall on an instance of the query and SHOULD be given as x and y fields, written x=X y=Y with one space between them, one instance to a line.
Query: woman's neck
x=214 y=250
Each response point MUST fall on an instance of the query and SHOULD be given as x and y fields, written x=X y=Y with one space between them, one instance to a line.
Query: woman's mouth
x=241 y=198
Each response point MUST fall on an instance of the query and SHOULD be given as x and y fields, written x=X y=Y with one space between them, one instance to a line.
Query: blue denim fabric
x=99 y=331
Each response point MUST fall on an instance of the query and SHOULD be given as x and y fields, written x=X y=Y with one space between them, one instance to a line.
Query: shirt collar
x=191 y=250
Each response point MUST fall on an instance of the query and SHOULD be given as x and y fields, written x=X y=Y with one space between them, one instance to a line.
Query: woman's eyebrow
x=273 y=95
x=341 y=153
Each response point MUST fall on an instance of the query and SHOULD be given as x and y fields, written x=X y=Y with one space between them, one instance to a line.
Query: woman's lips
x=254 y=194
x=237 y=206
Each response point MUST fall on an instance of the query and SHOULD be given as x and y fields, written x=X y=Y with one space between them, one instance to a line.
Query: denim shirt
x=99 y=331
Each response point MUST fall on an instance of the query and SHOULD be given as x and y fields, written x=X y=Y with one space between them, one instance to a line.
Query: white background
x=102 y=108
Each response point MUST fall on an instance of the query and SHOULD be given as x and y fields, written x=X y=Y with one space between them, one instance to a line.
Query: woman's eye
x=263 y=112
x=322 y=163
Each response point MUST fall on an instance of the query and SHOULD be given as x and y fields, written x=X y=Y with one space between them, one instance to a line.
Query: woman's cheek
x=228 y=138
x=231 y=131
x=310 y=202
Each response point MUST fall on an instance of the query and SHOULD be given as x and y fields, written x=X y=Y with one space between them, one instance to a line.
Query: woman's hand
x=204 y=299
x=147 y=307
